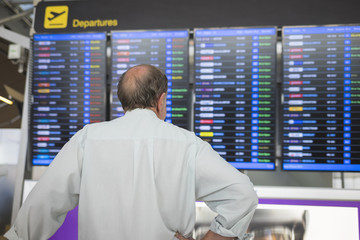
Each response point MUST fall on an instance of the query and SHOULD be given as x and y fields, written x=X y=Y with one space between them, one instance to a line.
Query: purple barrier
x=69 y=229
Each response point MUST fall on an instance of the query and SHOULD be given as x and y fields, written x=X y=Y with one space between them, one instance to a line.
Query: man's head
x=143 y=86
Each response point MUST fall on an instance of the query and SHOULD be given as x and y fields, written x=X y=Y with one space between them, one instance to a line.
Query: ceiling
x=13 y=72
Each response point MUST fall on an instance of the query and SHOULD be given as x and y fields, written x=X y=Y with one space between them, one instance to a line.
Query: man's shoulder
x=172 y=131
x=98 y=127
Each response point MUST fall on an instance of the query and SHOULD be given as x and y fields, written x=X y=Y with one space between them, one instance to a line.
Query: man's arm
x=226 y=191
x=214 y=236
x=54 y=195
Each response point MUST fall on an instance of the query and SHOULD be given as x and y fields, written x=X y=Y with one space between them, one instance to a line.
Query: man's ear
x=161 y=102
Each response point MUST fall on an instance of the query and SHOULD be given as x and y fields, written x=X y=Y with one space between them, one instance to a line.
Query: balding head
x=141 y=87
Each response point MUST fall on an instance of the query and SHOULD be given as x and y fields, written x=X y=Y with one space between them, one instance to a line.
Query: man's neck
x=155 y=111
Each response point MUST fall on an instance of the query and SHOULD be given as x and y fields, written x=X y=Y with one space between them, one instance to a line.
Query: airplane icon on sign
x=55 y=15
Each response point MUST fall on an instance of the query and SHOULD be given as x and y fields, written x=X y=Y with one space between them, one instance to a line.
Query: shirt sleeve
x=56 y=193
x=226 y=191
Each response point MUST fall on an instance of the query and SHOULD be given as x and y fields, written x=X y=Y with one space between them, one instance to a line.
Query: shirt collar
x=141 y=112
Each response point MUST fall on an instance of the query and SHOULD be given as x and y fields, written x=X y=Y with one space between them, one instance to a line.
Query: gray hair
x=141 y=87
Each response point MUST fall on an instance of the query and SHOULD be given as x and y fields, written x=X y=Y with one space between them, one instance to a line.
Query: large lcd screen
x=235 y=83
x=321 y=98
x=68 y=89
x=167 y=50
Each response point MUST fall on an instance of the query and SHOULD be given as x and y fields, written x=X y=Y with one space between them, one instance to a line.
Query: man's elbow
x=247 y=197
x=254 y=199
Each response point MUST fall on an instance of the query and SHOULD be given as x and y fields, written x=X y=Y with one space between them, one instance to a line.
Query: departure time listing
x=321 y=98
x=235 y=94
x=68 y=89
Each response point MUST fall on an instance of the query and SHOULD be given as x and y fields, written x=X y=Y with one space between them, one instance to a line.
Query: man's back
x=137 y=179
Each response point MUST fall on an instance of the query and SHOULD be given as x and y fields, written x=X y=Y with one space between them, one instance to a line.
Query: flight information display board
x=167 y=50
x=68 y=89
x=235 y=85
x=321 y=90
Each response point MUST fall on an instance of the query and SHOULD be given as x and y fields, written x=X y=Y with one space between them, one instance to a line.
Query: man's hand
x=181 y=237
x=209 y=236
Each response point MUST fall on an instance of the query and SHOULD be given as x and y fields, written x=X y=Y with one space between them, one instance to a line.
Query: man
x=137 y=177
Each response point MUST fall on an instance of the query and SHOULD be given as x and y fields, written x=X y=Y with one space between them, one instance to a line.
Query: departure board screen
x=68 y=89
x=235 y=94
x=167 y=50
x=321 y=91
